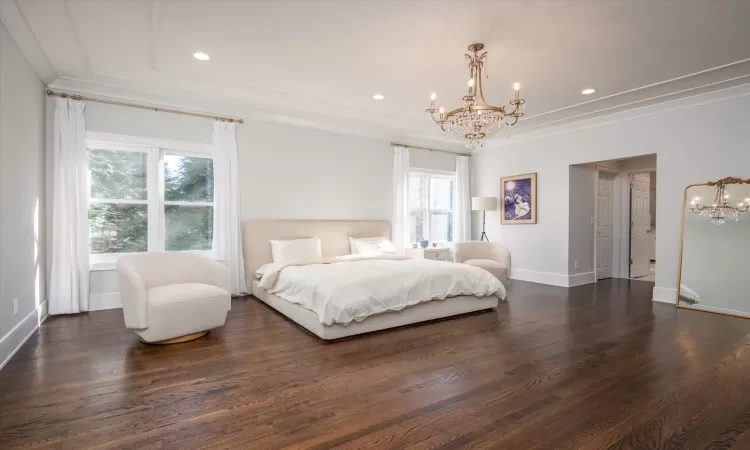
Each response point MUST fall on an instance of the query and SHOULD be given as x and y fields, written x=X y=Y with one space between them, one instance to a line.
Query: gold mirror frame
x=728 y=180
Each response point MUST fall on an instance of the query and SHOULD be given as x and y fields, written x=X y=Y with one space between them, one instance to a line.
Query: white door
x=604 y=244
x=640 y=228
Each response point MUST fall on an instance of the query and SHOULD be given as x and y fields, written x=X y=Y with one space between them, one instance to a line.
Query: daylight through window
x=431 y=203
x=148 y=199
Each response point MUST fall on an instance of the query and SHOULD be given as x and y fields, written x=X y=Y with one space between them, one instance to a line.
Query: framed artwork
x=518 y=199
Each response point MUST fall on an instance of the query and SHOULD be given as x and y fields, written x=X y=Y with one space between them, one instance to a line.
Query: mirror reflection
x=716 y=248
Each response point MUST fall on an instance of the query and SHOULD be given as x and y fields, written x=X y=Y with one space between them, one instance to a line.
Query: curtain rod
x=76 y=96
x=430 y=149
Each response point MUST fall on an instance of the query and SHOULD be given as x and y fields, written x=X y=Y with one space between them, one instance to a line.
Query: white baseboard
x=554 y=279
x=108 y=300
x=580 y=279
x=16 y=337
x=665 y=295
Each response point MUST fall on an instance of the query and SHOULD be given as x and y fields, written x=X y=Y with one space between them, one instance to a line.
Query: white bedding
x=346 y=288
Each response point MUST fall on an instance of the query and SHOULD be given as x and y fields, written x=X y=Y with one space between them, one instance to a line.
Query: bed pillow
x=372 y=246
x=295 y=249
x=261 y=270
x=353 y=242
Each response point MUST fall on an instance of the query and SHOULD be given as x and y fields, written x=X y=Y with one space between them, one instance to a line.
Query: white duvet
x=345 y=288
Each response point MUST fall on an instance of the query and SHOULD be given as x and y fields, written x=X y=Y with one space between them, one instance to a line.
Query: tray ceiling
x=318 y=63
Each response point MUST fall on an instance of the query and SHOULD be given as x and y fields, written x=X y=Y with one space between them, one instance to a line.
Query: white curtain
x=462 y=217
x=227 y=241
x=69 y=280
x=400 y=218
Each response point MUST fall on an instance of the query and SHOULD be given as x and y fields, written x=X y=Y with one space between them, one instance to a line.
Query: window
x=431 y=203
x=148 y=199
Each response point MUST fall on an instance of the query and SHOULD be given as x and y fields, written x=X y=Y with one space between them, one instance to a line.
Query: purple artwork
x=519 y=199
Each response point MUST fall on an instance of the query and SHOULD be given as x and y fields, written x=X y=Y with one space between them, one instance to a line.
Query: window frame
x=427 y=175
x=155 y=150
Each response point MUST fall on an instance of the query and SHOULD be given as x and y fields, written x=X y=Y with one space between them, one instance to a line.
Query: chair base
x=177 y=340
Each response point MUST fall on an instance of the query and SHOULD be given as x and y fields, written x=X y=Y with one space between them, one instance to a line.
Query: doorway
x=643 y=226
x=612 y=220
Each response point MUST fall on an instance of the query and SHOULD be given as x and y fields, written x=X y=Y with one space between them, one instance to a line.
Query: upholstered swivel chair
x=492 y=257
x=170 y=297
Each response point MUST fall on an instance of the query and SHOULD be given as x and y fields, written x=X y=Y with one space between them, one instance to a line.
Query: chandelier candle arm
x=476 y=120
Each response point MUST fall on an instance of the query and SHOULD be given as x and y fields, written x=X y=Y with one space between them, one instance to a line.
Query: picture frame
x=518 y=199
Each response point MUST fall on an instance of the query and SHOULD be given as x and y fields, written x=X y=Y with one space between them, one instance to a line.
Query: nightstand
x=435 y=253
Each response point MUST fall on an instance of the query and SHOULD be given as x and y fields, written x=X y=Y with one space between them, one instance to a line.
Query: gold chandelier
x=476 y=121
x=720 y=210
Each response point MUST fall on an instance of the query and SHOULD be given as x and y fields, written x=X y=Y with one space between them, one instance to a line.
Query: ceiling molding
x=745 y=62
x=178 y=82
x=714 y=79
x=249 y=112
x=21 y=33
x=675 y=104
x=643 y=103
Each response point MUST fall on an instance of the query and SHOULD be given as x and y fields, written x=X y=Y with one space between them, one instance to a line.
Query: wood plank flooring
x=592 y=367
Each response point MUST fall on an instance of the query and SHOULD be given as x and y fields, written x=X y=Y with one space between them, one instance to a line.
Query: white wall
x=426 y=159
x=689 y=151
x=21 y=197
x=291 y=172
x=286 y=172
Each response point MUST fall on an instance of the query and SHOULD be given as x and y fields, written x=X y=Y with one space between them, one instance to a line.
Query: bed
x=334 y=236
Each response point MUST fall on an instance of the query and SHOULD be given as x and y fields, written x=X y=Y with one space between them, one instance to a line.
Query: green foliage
x=123 y=228
x=118 y=228
x=118 y=175
x=188 y=179
x=189 y=227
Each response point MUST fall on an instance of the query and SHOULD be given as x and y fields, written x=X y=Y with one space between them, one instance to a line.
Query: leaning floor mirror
x=715 y=252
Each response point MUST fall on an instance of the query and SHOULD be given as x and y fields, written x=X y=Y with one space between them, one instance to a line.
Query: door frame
x=616 y=219
x=629 y=221
x=615 y=173
x=620 y=218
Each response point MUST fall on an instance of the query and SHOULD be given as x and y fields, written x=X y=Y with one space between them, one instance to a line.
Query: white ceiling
x=318 y=63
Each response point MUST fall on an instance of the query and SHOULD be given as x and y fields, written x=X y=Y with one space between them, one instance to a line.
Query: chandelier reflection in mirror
x=476 y=121
x=720 y=211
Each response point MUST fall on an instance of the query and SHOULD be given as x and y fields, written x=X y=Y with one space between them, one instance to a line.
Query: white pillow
x=372 y=246
x=296 y=249
x=353 y=243
x=261 y=270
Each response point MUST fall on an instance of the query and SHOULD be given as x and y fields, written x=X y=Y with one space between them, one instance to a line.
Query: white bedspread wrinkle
x=354 y=287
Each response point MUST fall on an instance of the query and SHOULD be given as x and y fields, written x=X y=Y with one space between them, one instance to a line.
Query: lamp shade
x=483 y=203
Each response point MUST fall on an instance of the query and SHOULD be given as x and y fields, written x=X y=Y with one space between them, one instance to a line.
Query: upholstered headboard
x=334 y=237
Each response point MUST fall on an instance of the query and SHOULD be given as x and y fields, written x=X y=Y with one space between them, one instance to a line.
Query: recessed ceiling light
x=201 y=56
x=588 y=91
x=378 y=97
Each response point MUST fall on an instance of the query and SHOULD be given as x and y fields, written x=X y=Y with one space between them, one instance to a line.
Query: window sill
x=104 y=266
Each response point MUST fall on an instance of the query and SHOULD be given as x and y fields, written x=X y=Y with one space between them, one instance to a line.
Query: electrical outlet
x=576 y=264
x=15 y=306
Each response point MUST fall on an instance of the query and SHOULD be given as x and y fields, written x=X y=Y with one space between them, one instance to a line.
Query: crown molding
x=259 y=113
x=26 y=41
x=736 y=71
x=260 y=104
x=667 y=106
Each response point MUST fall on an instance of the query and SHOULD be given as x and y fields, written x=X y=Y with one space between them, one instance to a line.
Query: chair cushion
x=484 y=263
x=180 y=309
x=175 y=293
x=495 y=268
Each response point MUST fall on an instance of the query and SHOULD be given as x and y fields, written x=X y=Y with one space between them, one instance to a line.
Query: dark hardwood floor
x=593 y=367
